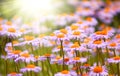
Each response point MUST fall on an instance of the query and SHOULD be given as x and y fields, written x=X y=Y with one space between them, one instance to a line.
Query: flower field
x=83 y=43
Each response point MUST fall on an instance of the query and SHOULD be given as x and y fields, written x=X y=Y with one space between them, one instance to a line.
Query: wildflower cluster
x=76 y=50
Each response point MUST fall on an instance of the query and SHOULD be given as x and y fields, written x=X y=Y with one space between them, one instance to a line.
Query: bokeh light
x=33 y=7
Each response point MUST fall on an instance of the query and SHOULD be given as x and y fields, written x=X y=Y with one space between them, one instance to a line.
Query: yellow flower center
x=9 y=23
x=74 y=27
x=65 y=72
x=86 y=65
x=79 y=22
x=13 y=74
x=16 y=52
x=77 y=58
x=75 y=45
x=1 y=28
x=58 y=47
x=60 y=35
x=107 y=10
x=52 y=34
x=118 y=36
x=30 y=66
x=36 y=57
x=26 y=55
x=66 y=59
x=76 y=33
x=15 y=42
x=104 y=32
x=63 y=31
x=89 y=19
x=29 y=38
x=58 y=57
x=47 y=55
x=116 y=58
x=9 y=48
x=52 y=42
x=98 y=69
x=86 y=40
x=113 y=44
x=66 y=42
x=97 y=42
x=11 y=30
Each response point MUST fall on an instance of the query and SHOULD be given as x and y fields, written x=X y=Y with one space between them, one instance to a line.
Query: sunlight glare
x=34 y=6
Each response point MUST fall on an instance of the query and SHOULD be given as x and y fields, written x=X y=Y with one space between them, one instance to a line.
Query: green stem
x=50 y=66
x=42 y=68
x=107 y=52
x=118 y=70
x=39 y=51
x=97 y=53
x=31 y=47
x=114 y=52
x=61 y=44
x=6 y=67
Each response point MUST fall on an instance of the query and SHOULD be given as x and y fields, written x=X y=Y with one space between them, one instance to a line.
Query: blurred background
x=50 y=15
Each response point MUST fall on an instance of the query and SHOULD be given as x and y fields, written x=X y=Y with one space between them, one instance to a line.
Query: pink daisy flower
x=114 y=59
x=31 y=67
x=14 y=54
x=25 y=57
x=66 y=73
x=97 y=71
x=78 y=59
x=12 y=32
x=15 y=74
